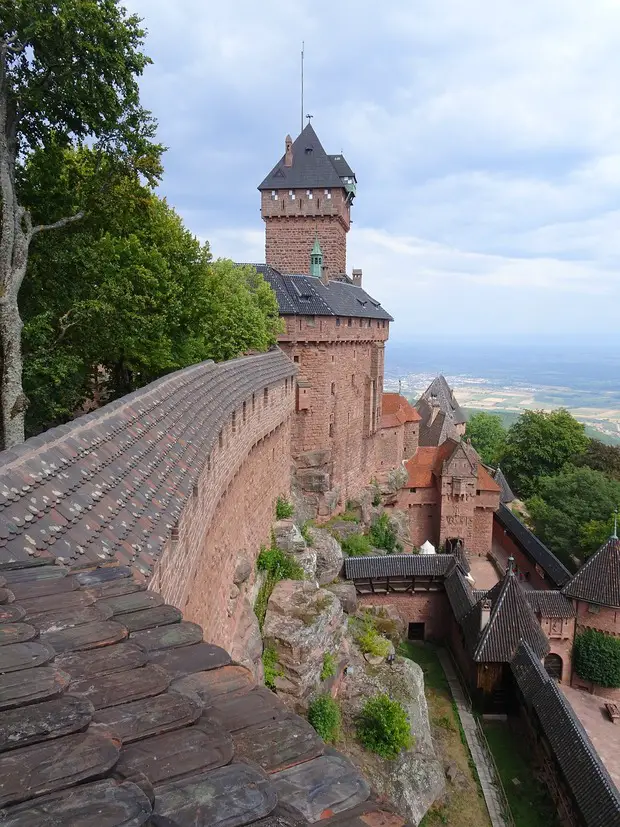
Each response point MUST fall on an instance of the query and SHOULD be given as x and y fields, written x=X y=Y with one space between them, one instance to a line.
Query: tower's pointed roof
x=511 y=621
x=506 y=495
x=440 y=394
x=316 y=248
x=312 y=167
x=598 y=579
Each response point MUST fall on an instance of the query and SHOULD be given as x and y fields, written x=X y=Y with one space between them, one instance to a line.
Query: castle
x=127 y=532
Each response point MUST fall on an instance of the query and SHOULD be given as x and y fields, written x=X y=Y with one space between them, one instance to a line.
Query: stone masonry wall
x=430 y=608
x=391 y=448
x=340 y=379
x=231 y=510
x=291 y=225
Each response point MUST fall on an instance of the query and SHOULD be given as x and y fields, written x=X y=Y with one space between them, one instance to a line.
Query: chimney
x=485 y=612
x=288 y=151
x=324 y=276
x=357 y=278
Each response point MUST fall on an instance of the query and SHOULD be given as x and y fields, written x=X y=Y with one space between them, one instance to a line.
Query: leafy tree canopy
x=127 y=293
x=601 y=457
x=487 y=435
x=540 y=444
x=571 y=511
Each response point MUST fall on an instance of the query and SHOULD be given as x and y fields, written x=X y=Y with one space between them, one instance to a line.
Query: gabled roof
x=305 y=295
x=440 y=394
x=532 y=547
x=312 y=166
x=594 y=792
x=598 y=579
x=396 y=410
x=436 y=427
x=506 y=495
x=550 y=603
x=426 y=464
x=511 y=620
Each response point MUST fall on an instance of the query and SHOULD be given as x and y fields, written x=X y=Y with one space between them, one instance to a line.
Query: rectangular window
x=361 y=322
x=309 y=194
x=328 y=194
x=337 y=321
x=413 y=490
x=349 y=322
x=310 y=321
x=416 y=631
x=220 y=440
x=331 y=429
x=285 y=386
x=244 y=412
x=291 y=195
x=274 y=195
x=333 y=390
x=265 y=396
x=234 y=422
x=296 y=359
x=253 y=402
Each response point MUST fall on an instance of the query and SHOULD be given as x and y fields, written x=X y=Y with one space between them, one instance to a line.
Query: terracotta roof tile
x=396 y=410
x=485 y=480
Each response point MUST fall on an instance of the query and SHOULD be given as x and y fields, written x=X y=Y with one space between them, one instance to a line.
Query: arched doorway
x=553 y=665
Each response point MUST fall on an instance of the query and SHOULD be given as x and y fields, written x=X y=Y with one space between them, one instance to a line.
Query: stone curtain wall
x=343 y=399
x=231 y=509
x=292 y=224
x=391 y=447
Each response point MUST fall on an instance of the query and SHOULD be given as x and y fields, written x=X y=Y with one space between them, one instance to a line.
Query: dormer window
x=328 y=194
x=309 y=195
x=291 y=195
x=274 y=195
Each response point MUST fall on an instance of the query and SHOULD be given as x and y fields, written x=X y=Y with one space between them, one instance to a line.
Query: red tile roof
x=427 y=461
x=396 y=410
x=485 y=480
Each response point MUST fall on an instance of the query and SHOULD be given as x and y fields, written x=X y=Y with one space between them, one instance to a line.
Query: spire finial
x=614 y=536
x=511 y=564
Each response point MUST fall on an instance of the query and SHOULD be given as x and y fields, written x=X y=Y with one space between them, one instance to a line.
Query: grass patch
x=463 y=804
x=271 y=667
x=328 y=669
x=284 y=509
x=304 y=530
x=277 y=565
x=529 y=801
x=357 y=545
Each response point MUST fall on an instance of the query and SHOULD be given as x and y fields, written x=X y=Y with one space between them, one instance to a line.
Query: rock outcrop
x=302 y=623
x=247 y=646
x=346 y=594
x=414 y=780
x=288 y=537
x=329 y=557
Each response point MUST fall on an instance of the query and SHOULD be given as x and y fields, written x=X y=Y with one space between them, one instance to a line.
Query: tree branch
x=62 y=222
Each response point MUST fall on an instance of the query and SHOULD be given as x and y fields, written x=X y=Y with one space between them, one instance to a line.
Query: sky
x=485 y=137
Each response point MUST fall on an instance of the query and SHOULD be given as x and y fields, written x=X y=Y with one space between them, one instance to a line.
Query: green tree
x=571 y=511
x=487 y=435
x=68 y=74
x=601 y=457
x=124 y=295
x=540 y=444
x=383 y=727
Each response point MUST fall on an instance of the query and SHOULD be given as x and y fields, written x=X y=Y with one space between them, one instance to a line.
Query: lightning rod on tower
x=301 y=129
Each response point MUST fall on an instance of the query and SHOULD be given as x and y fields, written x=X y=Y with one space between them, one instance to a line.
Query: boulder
x=387 y=621
x=342 y=529
x=314 y=459
x=288 y=536
x=414 y=780
x=346 y=594
x=313 y=479
x=247 y=645
x=243 y=569
x=307 y=560
x=329 y=557
x=302 y=623
x=329 y=502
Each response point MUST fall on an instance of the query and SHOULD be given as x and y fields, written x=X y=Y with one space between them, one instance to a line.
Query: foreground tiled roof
x=511 y=621
x=312 y=166
x=305 y=295
x=556 y=571
x=396 y=410
x=398 y=565
x=113 y=709
x=111 y=484
x=594 y=792
x=598 y=579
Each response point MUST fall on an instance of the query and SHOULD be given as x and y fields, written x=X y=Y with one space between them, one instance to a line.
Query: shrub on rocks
x=383 y=727
x=324 y=715
x=357 y=545
x=328 y=669
x=284 y=509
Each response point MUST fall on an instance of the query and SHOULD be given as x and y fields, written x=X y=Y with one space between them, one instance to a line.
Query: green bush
x=304 y=530
x=279 y=564
x=271 y=667
x=284 y=509
x=597 y=657
x=357 y=545
x=383 y=727
x=329 y=666
x=324 y=715
x=262 y=599
x=376 y=497
x=382 y=535
x=372 y=643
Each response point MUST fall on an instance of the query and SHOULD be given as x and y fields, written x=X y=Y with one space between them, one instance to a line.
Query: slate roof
x=460 y=593
x=595 y=794
x=312 y=167
x=598 y=579
x=305 y=295
x=113 y=709
x=511 y=621
x=550 y=603
x=439 y=398
x=506 y=495
x=532 y=547
x=396 y=410
x=110 y=485
x=398 y=565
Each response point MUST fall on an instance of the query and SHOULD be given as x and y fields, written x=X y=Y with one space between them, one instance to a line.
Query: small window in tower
x=285 y=386
x=361 y=322
x=328 y=194
x=333 y=358
x=310 y=321
x=353 y=379
x=337 y=321
x=274 y=195
x=291 y=195
x=333 y=389
x=220 y=439
x=349 y=322
x=331 y=428
x=309 y=194
x=234 y=422
x=296 y=359
x=253 y=402
x=265 y=396
x=244 y=412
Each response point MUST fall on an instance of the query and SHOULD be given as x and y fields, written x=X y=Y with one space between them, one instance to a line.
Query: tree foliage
x=126 y=294
x=571 y=511
x=487 y=435
x=540 y=444
x=601 y=457
x=68 y=76
x=596 y=657
x=383 y=727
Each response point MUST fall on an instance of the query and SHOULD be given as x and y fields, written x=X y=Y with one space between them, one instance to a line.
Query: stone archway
x=553 y=666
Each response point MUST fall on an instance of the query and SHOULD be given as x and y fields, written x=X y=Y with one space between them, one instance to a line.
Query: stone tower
x=307 y=197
